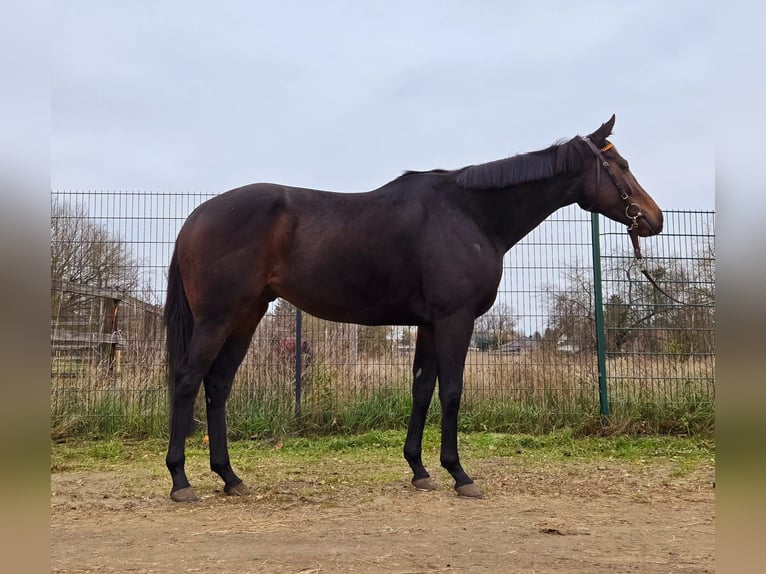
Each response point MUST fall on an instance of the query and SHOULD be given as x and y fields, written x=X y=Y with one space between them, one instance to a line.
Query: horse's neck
x=514 y=212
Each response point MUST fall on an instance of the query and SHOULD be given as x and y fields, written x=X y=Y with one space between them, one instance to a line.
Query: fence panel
x=658 y=349
x=531 y=366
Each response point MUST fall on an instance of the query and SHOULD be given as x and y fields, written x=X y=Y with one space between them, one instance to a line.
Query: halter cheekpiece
x=625 y=195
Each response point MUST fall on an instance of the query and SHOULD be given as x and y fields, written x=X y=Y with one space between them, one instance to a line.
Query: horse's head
x=611 y=189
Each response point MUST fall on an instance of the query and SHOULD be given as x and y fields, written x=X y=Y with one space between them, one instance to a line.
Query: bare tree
x=374 y=341
x=86 y=254
x=495 y=328
x=571 y=312
x=636 y=315
x=685 y=324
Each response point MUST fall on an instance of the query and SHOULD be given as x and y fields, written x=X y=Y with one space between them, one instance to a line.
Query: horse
x=424 y=250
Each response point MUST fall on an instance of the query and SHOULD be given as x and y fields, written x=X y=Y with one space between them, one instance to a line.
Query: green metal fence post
x=599 y=304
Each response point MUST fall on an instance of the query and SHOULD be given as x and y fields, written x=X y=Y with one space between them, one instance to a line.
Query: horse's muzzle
x=650 y=224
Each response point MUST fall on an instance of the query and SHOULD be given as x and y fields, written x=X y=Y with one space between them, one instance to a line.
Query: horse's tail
x=179 y=323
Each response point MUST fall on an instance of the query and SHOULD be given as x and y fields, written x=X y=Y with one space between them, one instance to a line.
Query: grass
x=318 y=468
x=517 y=394
x=385 y=446
x=389 y=409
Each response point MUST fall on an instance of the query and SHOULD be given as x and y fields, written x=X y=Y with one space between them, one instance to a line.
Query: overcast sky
x=345 y=95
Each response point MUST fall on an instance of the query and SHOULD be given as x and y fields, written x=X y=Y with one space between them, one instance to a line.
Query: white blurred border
x=24 y=286
x=740 y=282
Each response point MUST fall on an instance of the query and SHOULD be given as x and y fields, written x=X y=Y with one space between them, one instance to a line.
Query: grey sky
x=342 y=95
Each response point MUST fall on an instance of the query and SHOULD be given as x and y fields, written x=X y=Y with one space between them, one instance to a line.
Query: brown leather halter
x=625 y=195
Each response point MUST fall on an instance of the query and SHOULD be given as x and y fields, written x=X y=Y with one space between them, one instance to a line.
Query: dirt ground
x=570 y=516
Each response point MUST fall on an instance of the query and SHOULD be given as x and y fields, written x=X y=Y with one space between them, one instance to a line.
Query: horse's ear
x=599 y=136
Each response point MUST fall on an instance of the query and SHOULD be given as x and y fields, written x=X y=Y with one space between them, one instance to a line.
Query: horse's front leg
x=424 y=373
x=453 y=335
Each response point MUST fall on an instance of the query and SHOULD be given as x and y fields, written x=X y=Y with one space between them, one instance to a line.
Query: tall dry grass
x=527 y=392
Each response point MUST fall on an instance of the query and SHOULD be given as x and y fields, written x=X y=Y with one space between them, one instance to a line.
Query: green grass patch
x=252 y=415
x=385 y=448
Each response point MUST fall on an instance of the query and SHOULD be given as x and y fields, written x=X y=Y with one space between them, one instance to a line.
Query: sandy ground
x=569 y=516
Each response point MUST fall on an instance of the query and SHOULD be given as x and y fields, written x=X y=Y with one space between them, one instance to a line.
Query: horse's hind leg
x=218 y=384
x=205 y=343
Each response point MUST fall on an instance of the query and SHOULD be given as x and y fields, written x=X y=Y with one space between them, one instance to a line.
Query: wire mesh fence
x=661 y=344
x=532 y=363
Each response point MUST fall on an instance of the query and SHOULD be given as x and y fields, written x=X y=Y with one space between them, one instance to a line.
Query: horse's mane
x=422 y=172
x=562 y=157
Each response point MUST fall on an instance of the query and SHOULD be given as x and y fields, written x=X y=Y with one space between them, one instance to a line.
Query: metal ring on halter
x=638 y=211
x=635 y=217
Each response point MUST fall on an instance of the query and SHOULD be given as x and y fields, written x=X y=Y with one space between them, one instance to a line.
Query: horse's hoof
x=469 y=491
x=238 y=489
x=424 y=483
x=184 y=495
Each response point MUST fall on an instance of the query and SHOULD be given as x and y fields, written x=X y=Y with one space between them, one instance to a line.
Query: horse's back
x=379 y=257
x=240 y=203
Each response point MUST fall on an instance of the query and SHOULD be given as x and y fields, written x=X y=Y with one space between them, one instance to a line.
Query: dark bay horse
x=425 y=249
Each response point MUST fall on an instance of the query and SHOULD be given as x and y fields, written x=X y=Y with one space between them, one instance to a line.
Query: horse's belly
x=368 y=313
